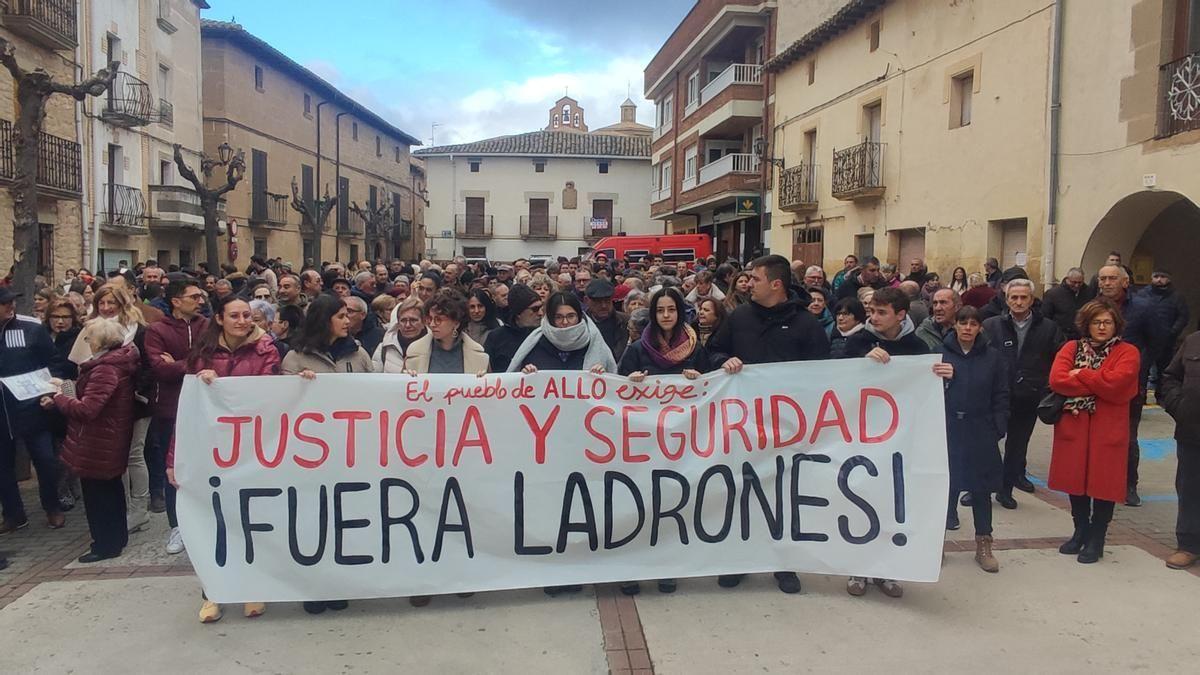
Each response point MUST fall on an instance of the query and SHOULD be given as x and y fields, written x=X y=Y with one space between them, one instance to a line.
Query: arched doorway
x=1152 y=230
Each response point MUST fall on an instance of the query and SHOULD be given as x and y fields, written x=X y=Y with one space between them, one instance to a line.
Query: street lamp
x=760 y=149
x=225 y=153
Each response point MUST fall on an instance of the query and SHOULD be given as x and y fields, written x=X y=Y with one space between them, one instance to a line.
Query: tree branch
x=186 y=171
x=233 y=173
x=93 y=86
x=8 y=56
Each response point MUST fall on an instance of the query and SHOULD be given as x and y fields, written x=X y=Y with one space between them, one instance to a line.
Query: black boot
x=1075 y=544
x=1093 y=550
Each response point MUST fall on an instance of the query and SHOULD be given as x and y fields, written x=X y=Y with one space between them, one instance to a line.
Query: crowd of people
x=1081 y=357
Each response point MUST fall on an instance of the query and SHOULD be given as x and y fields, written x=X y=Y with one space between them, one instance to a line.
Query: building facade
x=138 y=207
x=711 y=106
x=295 y=127
x=1045 y=134
x=550 y=192
x=44 y=34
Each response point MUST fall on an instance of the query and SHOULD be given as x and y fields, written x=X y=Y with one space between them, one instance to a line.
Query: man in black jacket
x=1061 y=303
x=1179 y=394
x=867 y=275
x=613 y=325
x=25 y=346
x=1028 y=342
x=774 y=326
x=525 y=307
x=1170 y=311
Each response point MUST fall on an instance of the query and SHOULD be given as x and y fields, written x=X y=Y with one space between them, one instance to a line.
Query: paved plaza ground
x=1043 y=611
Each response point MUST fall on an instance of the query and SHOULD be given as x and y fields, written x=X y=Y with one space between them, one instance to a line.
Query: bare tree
x=313 y=216
x=210 y=199
x=34 y=88
x=377 y=219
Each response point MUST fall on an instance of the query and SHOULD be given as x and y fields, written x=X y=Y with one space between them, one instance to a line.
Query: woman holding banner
x=976 y=420
x=407 y=326
x=326 y=346
x=445 y=348
x=668 y=346
x=232 y=345
x=566 y=340
x=1098 y=375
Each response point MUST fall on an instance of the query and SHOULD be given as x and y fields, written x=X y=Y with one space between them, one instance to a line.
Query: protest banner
x=373 y=485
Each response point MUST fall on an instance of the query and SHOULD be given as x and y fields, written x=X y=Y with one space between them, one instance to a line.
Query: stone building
x=550 y=192
x=1041 y=133
x=137 y=206
x=284 y=117
x=44 y=34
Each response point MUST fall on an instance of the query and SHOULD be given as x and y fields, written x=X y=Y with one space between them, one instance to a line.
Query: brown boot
x=983 y=554
x=1181 y=560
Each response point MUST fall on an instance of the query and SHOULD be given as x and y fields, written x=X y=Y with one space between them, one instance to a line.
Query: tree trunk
x=27 y=244
x=212 y=230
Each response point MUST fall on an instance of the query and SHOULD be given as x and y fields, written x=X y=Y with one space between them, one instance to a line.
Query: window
x=689 y=163
x=474 y=164
x=163 y=258
x=666 y=114
x=961 y=90
x=602 y=218
x=343 y=203
x=539 y=166
x=354 y=253
x=260 y=247
x=307 y=106
x=164 y=82
x=258 y=78
x=166 y=172
x=539 y=218
x=812 y=71
x=306 y=185
x=474 y=252
x=873 y=35
x=397 y=149
x=378 y=146
x=693 y=88
x=354 y=130
x=603 y=166
x=667 y=176
x=873 y=121
x=258 y=186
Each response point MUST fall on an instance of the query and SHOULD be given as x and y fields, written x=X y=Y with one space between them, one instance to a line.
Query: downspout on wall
x=1051 y=231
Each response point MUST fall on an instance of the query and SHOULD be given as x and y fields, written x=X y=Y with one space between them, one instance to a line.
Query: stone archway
x=1151 y=229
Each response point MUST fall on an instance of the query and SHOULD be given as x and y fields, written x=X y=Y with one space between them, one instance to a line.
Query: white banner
x=365 y=485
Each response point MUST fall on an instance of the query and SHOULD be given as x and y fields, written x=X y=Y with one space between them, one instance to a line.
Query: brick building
x=283 y=116
x=44 y=33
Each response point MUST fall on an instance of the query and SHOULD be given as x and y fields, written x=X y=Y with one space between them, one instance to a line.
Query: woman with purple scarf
x=668 y=346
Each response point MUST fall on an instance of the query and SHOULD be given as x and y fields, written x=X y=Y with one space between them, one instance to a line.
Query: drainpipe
x=337 y=180
x=317 y=185
x=1051 y=231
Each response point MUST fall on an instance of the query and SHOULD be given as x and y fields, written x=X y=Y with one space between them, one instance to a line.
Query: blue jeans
x=40 y=445
x=158 y=439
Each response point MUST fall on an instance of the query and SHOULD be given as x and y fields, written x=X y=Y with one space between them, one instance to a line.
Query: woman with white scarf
x=566 y=340
x=114 y=303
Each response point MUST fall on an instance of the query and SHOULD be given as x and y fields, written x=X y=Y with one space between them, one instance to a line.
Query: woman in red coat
x=1099 y=376
x=99 y=427
x=230 y=346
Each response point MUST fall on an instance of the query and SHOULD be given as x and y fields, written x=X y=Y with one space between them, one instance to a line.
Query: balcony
x=166 y=113
x=595 y=228
x=402 y=230
x=59 y=166
x=164 y=17
x=277 y=210
x=539 y=227
x=124 y=210
x=659 y=195
x=128 y=102
x=798 y=189
x=858 y=172
x=178 y=207
x=731 y=164
x=1179 y=96
x=473 y=226
x=353 y=223
x=47 y=23
x=737 y=73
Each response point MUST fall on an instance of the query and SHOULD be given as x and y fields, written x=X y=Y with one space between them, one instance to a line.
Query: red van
x=672 y=247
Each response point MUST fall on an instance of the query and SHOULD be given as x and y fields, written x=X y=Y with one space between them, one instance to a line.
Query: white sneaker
x=174 y=541
x=136 y=520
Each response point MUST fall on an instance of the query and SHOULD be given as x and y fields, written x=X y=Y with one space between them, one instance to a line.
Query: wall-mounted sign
x=746 y=206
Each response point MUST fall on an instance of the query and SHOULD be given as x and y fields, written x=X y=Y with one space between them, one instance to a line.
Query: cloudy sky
x=476 y=68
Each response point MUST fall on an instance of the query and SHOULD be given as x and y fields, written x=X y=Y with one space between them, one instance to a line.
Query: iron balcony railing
x=124 y=207
x=49 y=23
x=355 y=223
x=595 y=228
x=1179 y=96
x=128 y=103
x=539 y=227
x=166 y=112
x=798 y=188
x=59 y=161
x=277 y=209
x=473 y=225
x=858 y=171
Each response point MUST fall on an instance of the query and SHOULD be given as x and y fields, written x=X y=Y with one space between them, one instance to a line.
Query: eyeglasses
x=408 y=322
x=1103 y=323
x=566 y=318
x=193 y=296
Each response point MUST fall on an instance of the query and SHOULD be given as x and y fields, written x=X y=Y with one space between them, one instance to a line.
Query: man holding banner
x=774 y=326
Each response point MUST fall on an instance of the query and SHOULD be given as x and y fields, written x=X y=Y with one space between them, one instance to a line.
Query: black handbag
x=1050 y=409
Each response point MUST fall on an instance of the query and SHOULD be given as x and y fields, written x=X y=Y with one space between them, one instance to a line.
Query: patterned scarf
x=670 y=355
x=1089 y=355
